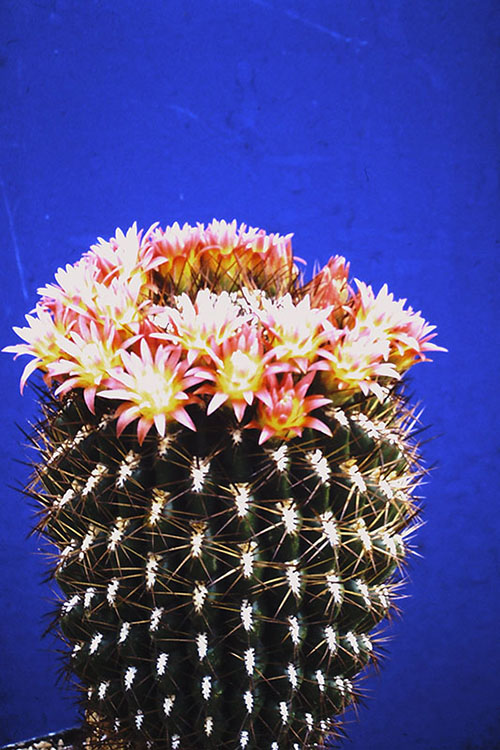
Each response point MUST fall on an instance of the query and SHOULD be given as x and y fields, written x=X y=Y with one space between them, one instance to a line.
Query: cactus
x=226 y=473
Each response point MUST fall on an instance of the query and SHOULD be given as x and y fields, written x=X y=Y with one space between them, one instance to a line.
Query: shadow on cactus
x=227 y=472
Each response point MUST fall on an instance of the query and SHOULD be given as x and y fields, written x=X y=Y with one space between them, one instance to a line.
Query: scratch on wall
x=263 y=3
x=291 y=13
x=210 y=125
x=324 y=29
x=15 y=243
x=183 y=111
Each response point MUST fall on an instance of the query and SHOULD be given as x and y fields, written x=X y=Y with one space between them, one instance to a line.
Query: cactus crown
x=216 y=316
x=227 y=474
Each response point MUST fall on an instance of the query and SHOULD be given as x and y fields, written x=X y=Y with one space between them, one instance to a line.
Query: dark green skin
x=288 y=705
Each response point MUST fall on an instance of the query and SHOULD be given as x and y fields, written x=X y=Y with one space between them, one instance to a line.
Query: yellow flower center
x=95 y=361
x=156 y=392
x=287 y=414
x=241 y=373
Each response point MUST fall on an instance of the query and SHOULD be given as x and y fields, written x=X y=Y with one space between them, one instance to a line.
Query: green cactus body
x=222 y=594
x=224 y=569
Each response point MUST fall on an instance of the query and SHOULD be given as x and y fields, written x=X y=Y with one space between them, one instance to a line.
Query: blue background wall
x=368 y=129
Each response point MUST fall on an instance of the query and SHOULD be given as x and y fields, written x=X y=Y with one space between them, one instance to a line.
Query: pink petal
x=143 y=427
x=146 y=353
x=65 y=386
x=156 y=335
x=191 y=380
x=314 y=402
x=126 y=417
x=30 y=367
x=302 y=363
x=319 y=365
x=316 y=424
x=61 y=367
x=327 y=355
x=192 y=355
x=304 y=384
x=239 y=409
x=280 y=367
x=217 y=400
x=202 y=373
x=377 y=390
x=119 y=393
x=264 y=396
x=160 y=423
x=183 y=417
x=265 y=434
x=18 y=349
x=427 y=346
x=70 y=347
x=388 y=370
x=89 y=396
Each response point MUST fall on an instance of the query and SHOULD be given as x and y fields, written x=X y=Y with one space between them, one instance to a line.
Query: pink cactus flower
x=296 y=330
x=329 y=286
x=202 y=326
x=384 y=317
x=153 y=387
x=284 y=408
x=238 y=372
x=216 y=315
x=45 y=337
x=87 y=358
x=354 y=361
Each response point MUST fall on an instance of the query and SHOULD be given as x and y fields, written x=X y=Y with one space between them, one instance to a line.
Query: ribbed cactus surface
x=223 y=554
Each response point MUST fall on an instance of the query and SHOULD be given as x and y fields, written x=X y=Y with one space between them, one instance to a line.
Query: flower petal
x=217 y=400
x=143 y=427
x=183 y=417
x=317 y=424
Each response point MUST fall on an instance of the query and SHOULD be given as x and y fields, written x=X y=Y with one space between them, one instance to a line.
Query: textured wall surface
x=366 y=128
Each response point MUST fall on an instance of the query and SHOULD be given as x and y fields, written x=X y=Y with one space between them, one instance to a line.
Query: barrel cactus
x=226 y=474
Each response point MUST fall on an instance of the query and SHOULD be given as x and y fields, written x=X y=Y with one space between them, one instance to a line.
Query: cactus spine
x=224 y=543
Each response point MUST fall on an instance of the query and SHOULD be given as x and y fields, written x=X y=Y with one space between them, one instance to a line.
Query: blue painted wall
x=368 y=129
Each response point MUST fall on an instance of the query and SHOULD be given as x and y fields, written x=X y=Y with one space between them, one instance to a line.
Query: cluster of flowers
x=217 y=316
